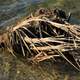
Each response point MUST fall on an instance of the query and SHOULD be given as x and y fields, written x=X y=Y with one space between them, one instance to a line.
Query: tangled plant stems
x=45 y=34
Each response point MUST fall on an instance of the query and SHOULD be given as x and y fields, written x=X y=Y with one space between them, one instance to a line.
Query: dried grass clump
x=42 y=36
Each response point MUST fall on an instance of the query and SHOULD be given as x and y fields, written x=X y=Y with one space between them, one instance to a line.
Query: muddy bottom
x=12 y=68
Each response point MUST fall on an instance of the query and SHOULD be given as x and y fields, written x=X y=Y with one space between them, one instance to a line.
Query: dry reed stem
x=64 y=44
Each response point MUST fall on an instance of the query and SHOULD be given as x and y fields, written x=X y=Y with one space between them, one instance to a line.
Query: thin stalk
x=60 y=53
x=20 y=42
x=29 y=32
x=25 y=43
x=30 y=40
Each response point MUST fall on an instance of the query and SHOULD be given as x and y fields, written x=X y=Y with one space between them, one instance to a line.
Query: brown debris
x=44 y=35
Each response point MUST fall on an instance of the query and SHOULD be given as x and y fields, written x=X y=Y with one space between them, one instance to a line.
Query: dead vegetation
x=45 y=34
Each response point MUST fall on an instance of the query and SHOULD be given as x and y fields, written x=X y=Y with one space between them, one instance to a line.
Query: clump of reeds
x=44 y=35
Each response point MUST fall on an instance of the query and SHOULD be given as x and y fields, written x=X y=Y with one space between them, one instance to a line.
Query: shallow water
x=12 y=10
x=12 y=68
